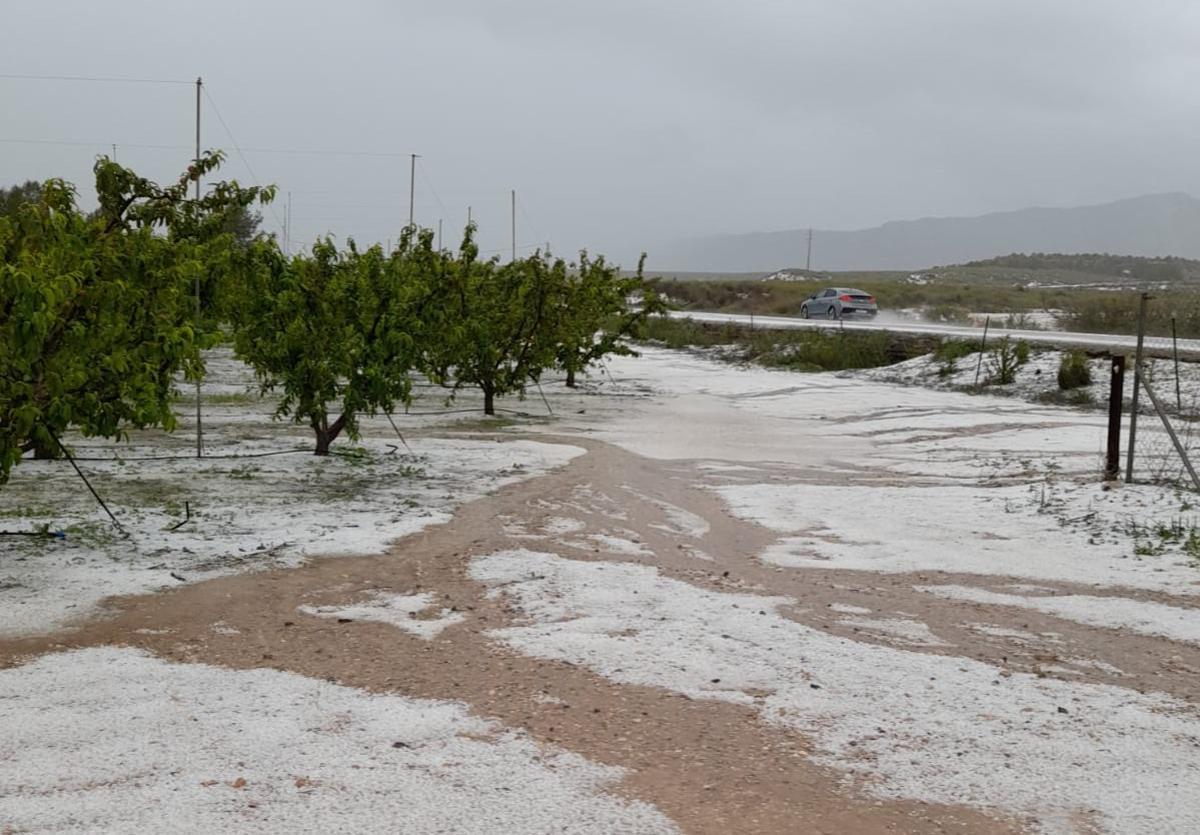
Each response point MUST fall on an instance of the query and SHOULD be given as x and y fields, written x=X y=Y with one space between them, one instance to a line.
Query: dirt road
x=711 y=764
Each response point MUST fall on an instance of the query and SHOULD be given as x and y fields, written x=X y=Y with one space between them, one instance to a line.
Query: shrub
x=1073 y=371
x=1006 y=358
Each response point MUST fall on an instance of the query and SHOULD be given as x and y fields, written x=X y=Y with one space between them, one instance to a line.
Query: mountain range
x=1152 y=225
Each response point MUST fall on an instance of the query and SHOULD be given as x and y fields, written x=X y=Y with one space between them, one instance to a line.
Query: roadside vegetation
x=953 y=295
x=799 y=350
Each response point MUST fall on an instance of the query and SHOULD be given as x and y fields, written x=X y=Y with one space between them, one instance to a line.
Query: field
x=1060 y=299
x=688 y=596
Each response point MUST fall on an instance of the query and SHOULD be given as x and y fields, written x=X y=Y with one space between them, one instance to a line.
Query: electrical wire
x=106 y=79
x=298 y=151
x=237 y=148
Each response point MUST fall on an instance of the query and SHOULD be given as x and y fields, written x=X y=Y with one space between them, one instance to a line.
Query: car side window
x=828 y=293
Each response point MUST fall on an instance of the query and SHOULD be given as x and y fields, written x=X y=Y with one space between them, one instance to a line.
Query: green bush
x=1073 y=371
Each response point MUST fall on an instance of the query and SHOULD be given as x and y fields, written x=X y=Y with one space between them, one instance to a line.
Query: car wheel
x=833 y=313
x=803 y=311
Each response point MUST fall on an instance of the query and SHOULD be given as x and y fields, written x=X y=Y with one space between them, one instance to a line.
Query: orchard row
x=101 y=312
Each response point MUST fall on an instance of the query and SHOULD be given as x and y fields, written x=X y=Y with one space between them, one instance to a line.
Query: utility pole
x=199 y=426
x=514 y=224
x=808 y=257
x=468 y=215
x=439 y=234
x=114 y=152
x=287 y=234
x=412 y=187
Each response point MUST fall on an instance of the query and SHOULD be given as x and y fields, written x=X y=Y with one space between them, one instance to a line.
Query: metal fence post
x=1175 y=354
x=1179 y=448
x=1116 y=393
x=982 y=347
x=1137 y=384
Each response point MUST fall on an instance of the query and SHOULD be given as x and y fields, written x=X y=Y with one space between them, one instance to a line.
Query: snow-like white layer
x=563 y=524
x=1015 y=531
x=1140 y=616
x=908 y=631
x=246 y=513
x=680 y=520
x=111 y=740
x=847 y=609
x=940 y=729
x=619 y=545
x=399 y=610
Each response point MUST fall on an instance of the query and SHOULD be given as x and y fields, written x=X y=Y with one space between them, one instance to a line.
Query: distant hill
x=1154 y=225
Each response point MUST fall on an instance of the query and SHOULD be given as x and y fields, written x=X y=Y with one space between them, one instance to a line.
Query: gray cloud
x=623 y=124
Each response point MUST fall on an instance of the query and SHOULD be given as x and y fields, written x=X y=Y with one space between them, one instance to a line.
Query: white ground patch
x=681 y=521
x=111 y=740
x=1141 y=616
x=1037 y=378
x=400 y=610
x=247 y=511
x=978 y=530
x=1022 y=635
x=557 y=525
x=906 y=630
x=934 y=728
x=847 y=609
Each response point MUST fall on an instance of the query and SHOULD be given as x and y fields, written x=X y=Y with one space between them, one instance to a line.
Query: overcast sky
x=621 y=123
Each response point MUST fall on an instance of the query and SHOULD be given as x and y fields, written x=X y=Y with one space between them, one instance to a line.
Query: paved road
x=1113 y=343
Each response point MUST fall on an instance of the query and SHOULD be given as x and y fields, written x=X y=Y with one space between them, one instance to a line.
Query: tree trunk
x=570 y=378
x=323 y=441
x=489 y=399
x=43 y=452
x=327 y=433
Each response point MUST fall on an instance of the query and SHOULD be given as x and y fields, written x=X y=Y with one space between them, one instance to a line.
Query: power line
x=237 y=148
x=429 y=182
x=105 y=79
x=296 y=151
x=94 y=144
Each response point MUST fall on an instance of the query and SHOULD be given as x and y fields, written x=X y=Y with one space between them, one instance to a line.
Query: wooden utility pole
x=808 y=257
x=1116 y=394
x=514 y=224
x=439 y=234
x=199 y=426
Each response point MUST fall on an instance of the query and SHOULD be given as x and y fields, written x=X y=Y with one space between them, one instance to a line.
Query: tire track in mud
x=711 y=766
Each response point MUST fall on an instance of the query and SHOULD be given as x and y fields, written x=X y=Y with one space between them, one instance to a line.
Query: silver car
x=836 y=302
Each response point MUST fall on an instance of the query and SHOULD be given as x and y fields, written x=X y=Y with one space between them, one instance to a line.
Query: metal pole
x=199 y=423
x=982 y=347
x=412 y=187
x=468 y=215
x=808 y=257
x=439 y=234
x=1175 y=354
x=1187 y=462
x=1137 y=384
x=1116 y=394
x=514 y=224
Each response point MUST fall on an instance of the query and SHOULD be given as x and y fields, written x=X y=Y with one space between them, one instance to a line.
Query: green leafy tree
x=501 y=330
x=598 y=311
x=12 y=198
x=95 y=308
x=336 y=332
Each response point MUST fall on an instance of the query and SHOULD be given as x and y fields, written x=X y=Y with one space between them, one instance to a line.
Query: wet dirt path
x=713 y=767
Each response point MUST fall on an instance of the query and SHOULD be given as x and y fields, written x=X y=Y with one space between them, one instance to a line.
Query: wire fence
x=1164 y=408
